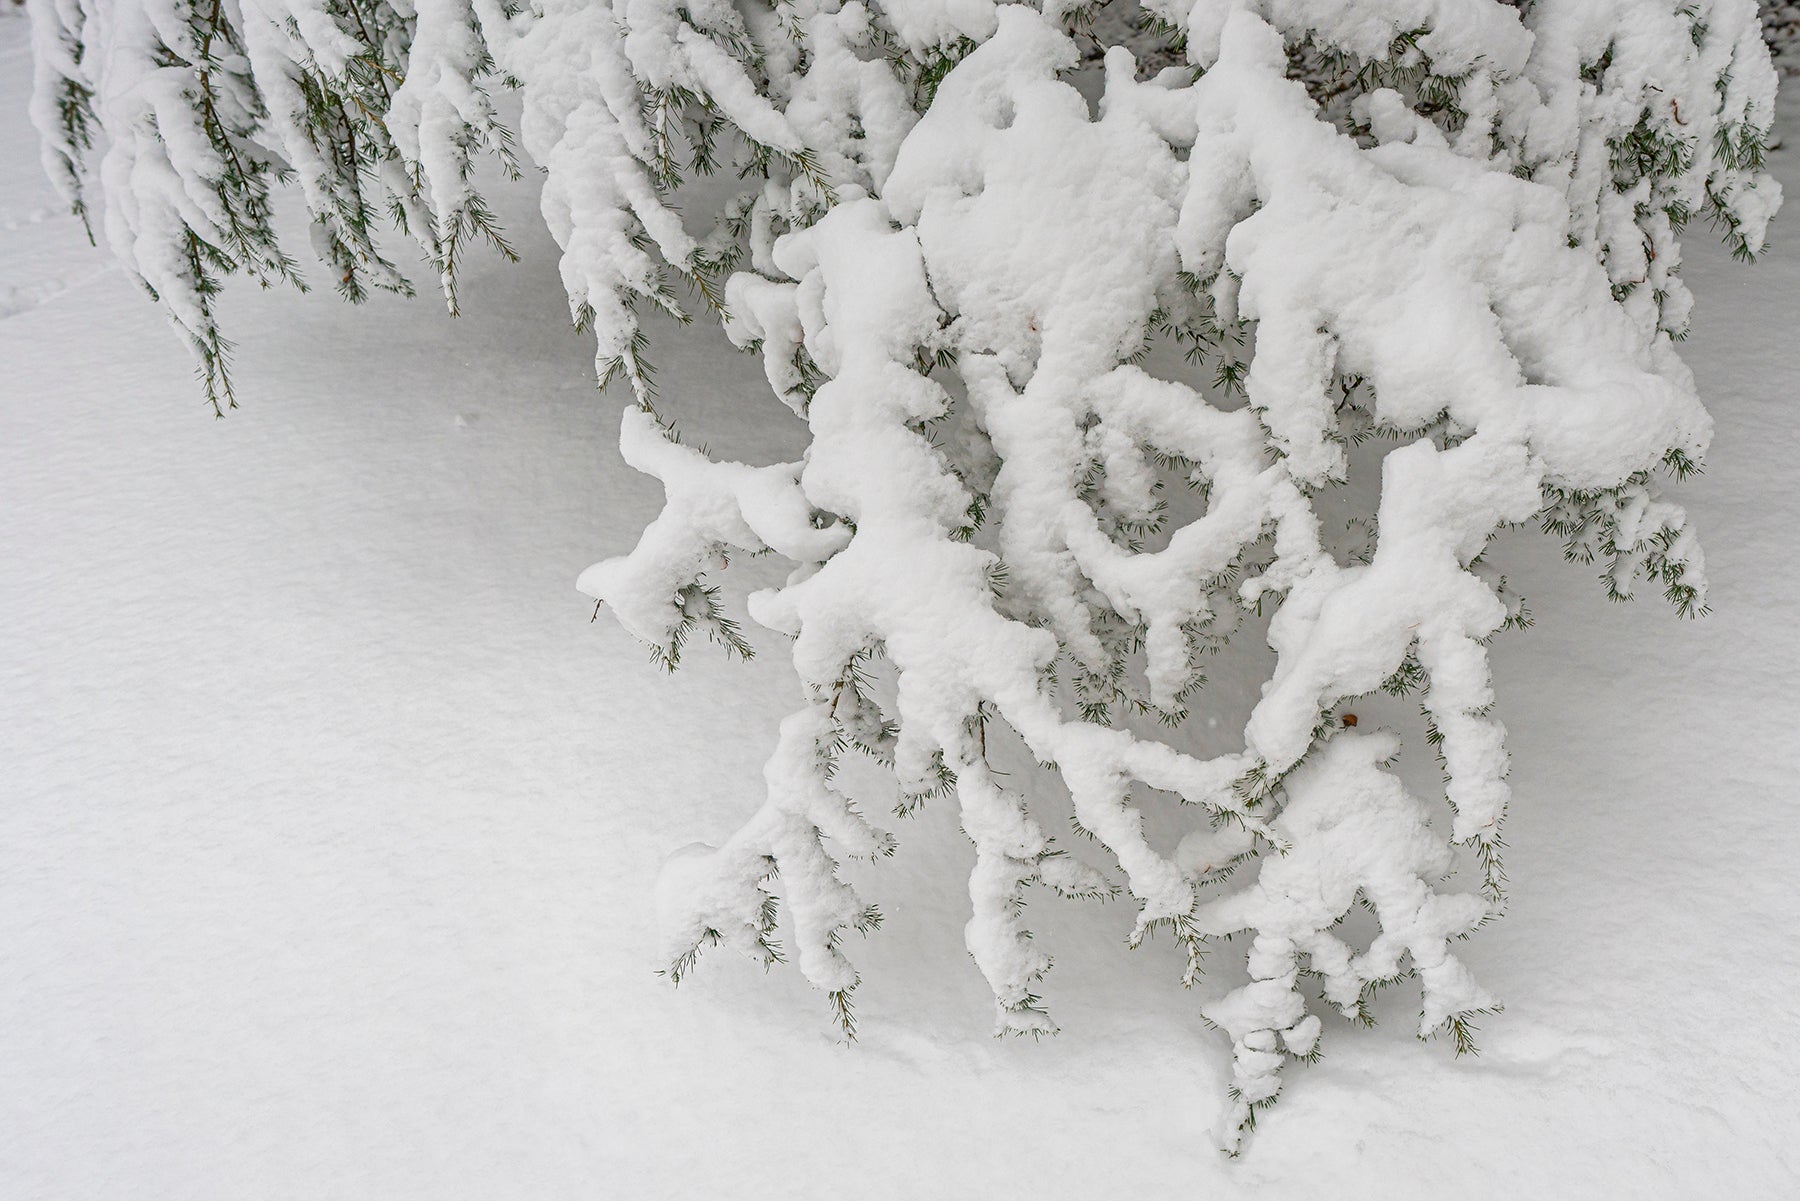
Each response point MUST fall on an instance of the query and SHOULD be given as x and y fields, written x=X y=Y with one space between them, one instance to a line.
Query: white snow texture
x=1017 y=516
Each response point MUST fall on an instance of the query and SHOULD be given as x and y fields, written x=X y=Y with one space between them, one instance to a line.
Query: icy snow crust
x=955 y=303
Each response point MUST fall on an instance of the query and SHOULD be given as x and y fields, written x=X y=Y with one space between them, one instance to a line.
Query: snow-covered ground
x=328 y=822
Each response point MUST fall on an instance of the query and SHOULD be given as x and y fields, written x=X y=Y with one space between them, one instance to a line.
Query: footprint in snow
x=36 y=216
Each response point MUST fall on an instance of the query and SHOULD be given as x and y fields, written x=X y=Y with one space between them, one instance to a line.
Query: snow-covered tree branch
x=1450 y=224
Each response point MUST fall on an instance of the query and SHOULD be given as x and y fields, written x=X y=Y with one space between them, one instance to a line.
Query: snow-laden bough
x=1452 y=224
x=1031 y=249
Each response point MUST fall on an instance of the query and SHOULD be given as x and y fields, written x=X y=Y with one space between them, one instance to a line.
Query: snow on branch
x=1032 y=248
x=1450 y=224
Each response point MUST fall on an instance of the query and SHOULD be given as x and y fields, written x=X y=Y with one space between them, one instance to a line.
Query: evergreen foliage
x=1447 y=230
x=1781 y=26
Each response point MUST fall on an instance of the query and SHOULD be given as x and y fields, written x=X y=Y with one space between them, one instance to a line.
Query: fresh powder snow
x=337 y=832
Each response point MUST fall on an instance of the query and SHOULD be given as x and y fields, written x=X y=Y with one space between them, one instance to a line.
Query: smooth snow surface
x=329 y=825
